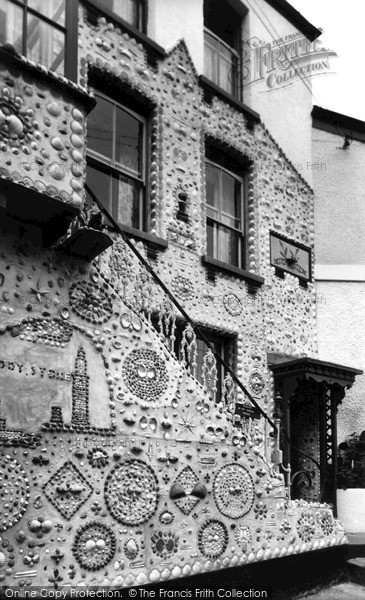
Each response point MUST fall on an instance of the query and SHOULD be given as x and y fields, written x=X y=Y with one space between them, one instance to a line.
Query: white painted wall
x=172 y=20
x=340 y=203
x=340 y=264
x=341 y=339
x=285 y=111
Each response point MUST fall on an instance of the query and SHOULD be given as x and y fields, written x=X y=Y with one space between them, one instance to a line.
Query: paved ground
x=335 y=574
x=341 y=591
x=345 y=581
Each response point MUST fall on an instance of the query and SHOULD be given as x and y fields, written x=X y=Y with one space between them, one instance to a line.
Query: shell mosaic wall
x=42 y=132
x=117 y=466
x=280 y=316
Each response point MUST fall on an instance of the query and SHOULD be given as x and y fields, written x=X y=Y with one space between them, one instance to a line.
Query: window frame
x=99 y=9
x=69 y=30
x=242 y=232
x=236 y=85
x=235 y=49
x=142 y=16
x=113 y=168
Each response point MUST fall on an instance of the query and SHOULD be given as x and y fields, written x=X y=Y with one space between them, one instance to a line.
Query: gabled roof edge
x=296 y=18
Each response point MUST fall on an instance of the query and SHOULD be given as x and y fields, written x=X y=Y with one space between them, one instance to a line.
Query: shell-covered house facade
x=128 y=453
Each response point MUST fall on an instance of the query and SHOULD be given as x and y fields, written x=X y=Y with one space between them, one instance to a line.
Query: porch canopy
x=309 y=391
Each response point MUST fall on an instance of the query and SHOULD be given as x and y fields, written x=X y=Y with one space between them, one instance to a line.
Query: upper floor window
x=225 y=191
x=222 y=43
x=38 y=30
x=132 y=11
x=116 y=145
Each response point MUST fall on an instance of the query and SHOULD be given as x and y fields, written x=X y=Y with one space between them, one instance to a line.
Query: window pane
x=11 y=25
x=100 y=128
x=231 y=201
x=225 y=70
x=53 y=9
x=45 y=44
x=99 y=183
x=210 y=240
x=201 y=350
x=211 y=59
x=212 y=175
x=221 y=65
x=128 y=141
x=228 y=246
x=234 y=77
x=221 y=18
x=128 y=199
x=129 y=10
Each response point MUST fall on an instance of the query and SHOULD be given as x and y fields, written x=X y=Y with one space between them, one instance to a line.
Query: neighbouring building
x=138 y=429
x=338 y=181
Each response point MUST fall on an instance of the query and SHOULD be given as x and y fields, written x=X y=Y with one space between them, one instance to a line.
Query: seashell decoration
x=76 y=156
x=76 y=199
x=143 y=423
x=57 y=143
x=34 y=525
x=76 y=127
x=76 y=186
x=56 y=171
x=77 y=115
x=166 y=518
x=54 y=109
x=2 y=559
x=76 y=141
x=131 y=547
x=76 y=171
x=47 y=526
x=15 y=125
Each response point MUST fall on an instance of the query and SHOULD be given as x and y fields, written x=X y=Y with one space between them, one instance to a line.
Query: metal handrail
x=218 y=358
x=161 y=284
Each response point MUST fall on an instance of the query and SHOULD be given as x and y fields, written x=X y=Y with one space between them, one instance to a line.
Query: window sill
x=154 y=243
x=151 y=46
x=211 y=89
x=213 y=265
